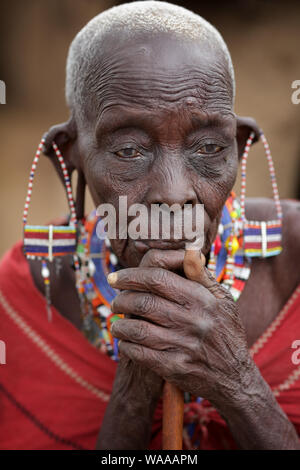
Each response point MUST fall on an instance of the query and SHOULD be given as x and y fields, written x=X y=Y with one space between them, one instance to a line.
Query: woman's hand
x=186 y=331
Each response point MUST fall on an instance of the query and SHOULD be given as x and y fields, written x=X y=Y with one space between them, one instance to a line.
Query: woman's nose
x=178 y=193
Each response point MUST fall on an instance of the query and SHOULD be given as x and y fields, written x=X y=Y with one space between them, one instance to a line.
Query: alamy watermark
x=296 y=94
x=157 y=222
x=2 y=92
x=2 y=352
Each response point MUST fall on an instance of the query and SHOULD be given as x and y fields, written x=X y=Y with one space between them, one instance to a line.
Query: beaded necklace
x=227 y=261
x=94 y=261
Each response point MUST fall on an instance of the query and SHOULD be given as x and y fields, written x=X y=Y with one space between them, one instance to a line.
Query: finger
x=193 y=265
x=149 y=307
x=156 y=280
x=166 y=364
x=147 y=357
x=167 y=259
x=146 y=334
x=194 y=268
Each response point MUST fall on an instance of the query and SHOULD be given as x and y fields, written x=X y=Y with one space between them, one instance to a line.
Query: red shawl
x=55 y=386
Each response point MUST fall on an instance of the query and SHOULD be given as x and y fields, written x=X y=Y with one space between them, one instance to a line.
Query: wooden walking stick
x=172 y=417
x=173 y=402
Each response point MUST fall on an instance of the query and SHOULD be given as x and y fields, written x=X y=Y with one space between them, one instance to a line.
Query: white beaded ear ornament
x=261 y=239
x=46 y=242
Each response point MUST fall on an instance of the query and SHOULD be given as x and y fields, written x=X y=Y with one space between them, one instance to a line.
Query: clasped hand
x=187 y=331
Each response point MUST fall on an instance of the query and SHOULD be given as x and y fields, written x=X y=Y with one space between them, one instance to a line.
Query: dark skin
x=162 y=129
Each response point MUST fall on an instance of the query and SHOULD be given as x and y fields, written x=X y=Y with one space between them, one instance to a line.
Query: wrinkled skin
x=169 y=105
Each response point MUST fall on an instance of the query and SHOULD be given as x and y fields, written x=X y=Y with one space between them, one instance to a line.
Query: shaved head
x=92 y=51
x=150 y=87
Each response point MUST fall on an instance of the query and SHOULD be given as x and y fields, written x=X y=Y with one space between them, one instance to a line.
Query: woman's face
x=160 y=129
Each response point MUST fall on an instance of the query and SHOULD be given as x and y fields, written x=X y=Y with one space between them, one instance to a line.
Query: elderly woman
x=150 y=88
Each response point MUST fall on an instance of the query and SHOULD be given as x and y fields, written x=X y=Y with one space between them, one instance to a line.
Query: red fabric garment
x=53 y=378
x=55 y=386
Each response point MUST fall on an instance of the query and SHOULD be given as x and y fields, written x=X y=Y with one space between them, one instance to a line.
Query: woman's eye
x=128 y=153
x=210 y=149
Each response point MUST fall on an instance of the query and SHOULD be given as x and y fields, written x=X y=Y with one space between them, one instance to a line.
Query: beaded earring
x=238 y=239
x=46 y=242
x=261 y=239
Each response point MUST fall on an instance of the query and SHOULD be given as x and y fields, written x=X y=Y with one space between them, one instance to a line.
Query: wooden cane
x=173 y=401
x=172 y=417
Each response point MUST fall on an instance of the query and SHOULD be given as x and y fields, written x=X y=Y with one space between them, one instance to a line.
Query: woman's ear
x=246 y=125
x=65 y=137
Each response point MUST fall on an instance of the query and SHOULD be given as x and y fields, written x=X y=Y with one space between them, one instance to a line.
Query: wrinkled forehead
x=157 y=72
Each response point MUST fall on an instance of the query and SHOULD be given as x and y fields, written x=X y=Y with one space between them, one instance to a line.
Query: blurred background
x=264 y=41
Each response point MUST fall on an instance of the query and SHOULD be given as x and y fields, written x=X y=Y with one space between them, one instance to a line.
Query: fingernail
x=112 y=278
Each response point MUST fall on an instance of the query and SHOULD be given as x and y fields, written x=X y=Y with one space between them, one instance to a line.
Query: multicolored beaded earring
x=45 y=242
x=239 y=240
x=261 y=239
